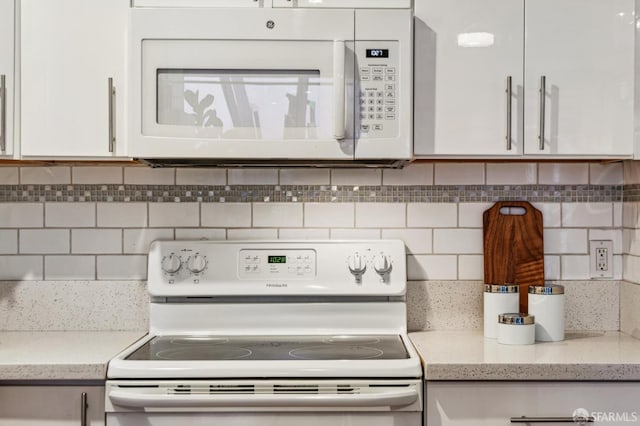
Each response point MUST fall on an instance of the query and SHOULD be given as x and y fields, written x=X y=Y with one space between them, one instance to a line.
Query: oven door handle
x=394 y=397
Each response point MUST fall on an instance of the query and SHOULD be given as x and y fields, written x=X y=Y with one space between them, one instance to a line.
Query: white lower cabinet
x=499 y=403
x=56 y=405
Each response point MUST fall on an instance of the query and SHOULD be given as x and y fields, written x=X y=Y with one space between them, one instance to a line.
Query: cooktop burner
x=213 y=348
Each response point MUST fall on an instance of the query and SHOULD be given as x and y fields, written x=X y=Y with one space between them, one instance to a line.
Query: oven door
x=242 y=83
x=260 y=403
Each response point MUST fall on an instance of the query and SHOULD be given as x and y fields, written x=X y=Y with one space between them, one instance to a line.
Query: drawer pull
x=574 y=420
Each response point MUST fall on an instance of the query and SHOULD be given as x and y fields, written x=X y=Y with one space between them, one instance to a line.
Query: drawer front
x=496 y=403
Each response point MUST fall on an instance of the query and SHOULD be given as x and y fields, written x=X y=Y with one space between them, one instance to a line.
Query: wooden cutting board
x=513 y=246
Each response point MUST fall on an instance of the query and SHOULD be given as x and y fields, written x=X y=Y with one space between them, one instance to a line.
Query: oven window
x=245 y=104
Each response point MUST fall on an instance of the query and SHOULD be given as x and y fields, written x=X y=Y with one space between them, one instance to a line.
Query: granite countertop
x=60 y=355
x=467 y=355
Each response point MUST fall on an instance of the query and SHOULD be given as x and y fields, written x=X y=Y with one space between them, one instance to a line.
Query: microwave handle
x=338 y=90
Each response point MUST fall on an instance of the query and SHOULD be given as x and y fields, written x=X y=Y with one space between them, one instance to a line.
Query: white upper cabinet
x=584 y=49
x=7 y=81
x=466 y=51
x=73 y=56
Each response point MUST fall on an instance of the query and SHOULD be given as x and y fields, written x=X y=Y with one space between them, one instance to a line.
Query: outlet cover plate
x=601 y=268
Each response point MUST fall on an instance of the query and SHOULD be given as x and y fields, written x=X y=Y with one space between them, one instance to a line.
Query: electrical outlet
x=601 y=258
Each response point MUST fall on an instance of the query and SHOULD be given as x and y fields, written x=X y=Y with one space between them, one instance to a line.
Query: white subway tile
x=9 y=176
x=44 y=241
x=617 y=267
x=8 y=241
x=329 y=215
x=631 y=241
x=280 y=215
x=174 y=215
x=122 y=215
x=21 y=215
x=69 y=215
x=565 y=241
x=201 y=177
x=631 y=172
x=149 y=176
x=563 y=173
x=303 y=234
x=457 y=241
x=226 y=215
x=606 y=174
x=253 y=176
x=138 y=240
x=551 y=268
x=614 y=235
x=459 y=174
x=105 y=175
x=471 y=267
x=512 y=173
x=356 y=177
x=413 y=174
x=131 y=267
x=45 y=175
x=355 y=234
x=432 y=215
x=380 y=215
x=575 y=267
x=551 y=214
x=471 y=214
x=587 y=214
x=631 y=270
x=96 y=241
x=21 y=268
x=432 y=267
x=69 y=268
x=631 y=215
x=418 y=241
x=252 y=234
x=617 y=215
x=214 y=234
x=305 y=177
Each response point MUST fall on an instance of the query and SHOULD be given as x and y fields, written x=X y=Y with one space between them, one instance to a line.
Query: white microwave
x=312 y=81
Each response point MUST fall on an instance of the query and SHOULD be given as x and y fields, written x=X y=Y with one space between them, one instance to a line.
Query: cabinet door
x=69 y=51
x=50 y=405
x=494 y=403
x=464 y=52
x=584 y=49
x=6 y=76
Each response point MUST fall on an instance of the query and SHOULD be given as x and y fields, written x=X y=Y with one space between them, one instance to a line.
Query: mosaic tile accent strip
x=318 y=193
x=631 y=192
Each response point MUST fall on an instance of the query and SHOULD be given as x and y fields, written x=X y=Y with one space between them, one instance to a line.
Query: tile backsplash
x=96 y=223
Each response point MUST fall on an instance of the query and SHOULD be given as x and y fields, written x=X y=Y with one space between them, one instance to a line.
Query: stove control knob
x=171 y=263
x=357 y=266
x=197 y=263
x=382 y=265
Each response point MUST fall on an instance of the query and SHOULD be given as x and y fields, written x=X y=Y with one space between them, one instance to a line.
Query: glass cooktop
x=218 y=348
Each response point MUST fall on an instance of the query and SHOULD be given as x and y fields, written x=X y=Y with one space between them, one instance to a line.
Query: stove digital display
x=276 y=259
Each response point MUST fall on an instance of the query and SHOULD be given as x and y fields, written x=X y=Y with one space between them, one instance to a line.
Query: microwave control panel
x=377 y=71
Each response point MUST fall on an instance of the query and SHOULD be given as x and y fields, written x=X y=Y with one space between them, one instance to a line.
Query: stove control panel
x=258 y=268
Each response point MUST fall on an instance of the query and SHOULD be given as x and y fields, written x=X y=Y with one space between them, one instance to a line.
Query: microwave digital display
x=276 y=259
x=377 y=53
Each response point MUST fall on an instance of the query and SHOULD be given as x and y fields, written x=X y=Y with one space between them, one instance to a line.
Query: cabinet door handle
x=543 y=91
x=3 y=113
x=509 y=111
x=83 y=409
x=525 y=419
x=112 y=118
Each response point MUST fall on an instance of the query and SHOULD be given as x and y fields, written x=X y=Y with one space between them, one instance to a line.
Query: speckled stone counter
x=467 y=355
x=60 y=355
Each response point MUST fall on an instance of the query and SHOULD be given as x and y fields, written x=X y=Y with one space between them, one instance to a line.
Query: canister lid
x=516 y=319
x=546 y=289
x=501 y=288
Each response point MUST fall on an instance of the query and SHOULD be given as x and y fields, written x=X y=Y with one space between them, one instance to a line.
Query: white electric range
x=271 y=333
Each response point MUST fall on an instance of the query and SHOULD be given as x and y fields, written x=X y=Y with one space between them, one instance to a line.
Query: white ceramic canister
x=498 y=299
x=547 y=304
x=516 y=329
